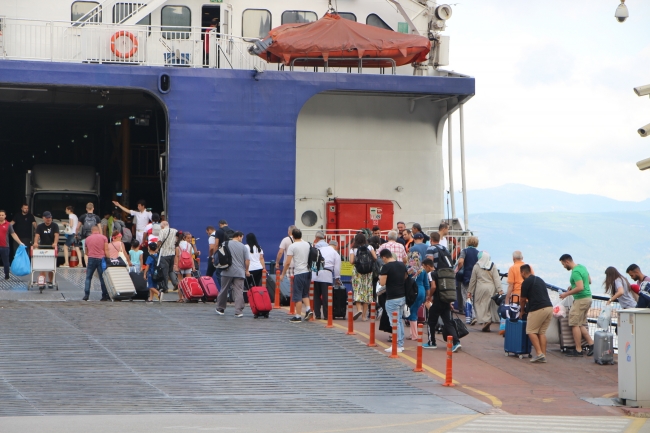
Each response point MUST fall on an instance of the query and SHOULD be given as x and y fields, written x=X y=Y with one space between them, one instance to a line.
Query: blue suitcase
x=516 y=341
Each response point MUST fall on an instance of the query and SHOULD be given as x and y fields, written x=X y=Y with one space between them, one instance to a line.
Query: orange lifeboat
x=334 y=40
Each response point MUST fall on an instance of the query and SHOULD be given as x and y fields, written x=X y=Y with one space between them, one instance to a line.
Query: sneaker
x=309 y=315
x=539 y=358
x=590 y=350
x=239 y=315
x=429 y=346
x=295 y=320
x=473 y=322
x=390 y=349
x=85 y=298
x=7 y=277
x=400 y=349
x=357 y=315
x=455 y=347
x=50 y=285
x=219 y=311
x=574 y=353
x=64 y=266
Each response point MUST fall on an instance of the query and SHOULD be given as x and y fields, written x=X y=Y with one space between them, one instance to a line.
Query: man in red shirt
x=6 y=229
x=94 y=249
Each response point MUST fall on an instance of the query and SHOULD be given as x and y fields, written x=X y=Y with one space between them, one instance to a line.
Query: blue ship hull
x=232 y=133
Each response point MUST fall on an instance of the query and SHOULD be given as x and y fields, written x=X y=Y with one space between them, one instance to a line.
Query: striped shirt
x=168 y=248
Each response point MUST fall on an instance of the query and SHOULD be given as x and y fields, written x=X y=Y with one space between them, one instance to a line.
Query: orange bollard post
x=449 y=381
x=277 y=290
x=418 y=363
x=330 y=311
x=371 y=340
x=311 y=301
x=292 y=305
x=350 y=315
x=264 y=277
x=393 y=353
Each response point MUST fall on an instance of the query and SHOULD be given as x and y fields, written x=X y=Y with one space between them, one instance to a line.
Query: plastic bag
x=20 y=266
x=605 y=317
x=468 y=310
x=559 y=311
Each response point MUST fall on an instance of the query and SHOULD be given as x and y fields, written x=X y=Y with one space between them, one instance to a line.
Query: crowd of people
x=381 y=267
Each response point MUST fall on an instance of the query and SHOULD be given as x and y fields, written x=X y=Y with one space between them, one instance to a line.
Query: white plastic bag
x=560 y=309
x=605 y=317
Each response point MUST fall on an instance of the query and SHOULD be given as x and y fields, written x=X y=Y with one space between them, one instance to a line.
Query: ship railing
x=62 y=41
x=598 y=303
x=344 y=62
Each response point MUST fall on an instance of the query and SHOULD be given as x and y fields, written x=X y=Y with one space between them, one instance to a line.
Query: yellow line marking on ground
x=374 y=427
x=495 y=400
x=464 y=420
x=635 y=425
x=611 y=394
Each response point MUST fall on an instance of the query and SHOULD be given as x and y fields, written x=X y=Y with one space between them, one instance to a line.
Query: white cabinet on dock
x=633 y=355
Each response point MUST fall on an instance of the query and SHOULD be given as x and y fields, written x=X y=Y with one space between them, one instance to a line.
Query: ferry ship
x=164 y=99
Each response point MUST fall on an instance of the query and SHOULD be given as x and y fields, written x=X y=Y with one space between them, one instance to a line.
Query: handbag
x=461 y=329
x=380 y=289
x=498 y=299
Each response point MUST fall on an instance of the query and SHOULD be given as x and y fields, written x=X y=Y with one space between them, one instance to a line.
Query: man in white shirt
x=285 y=284
x=325 y=278
x=298 y=256
x=443 y=229
x=141 y=217
x=167 y=252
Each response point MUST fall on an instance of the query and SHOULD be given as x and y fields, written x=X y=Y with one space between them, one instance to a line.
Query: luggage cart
x=43 y=260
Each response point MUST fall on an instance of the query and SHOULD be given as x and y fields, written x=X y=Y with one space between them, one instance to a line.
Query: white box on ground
x=633 y=354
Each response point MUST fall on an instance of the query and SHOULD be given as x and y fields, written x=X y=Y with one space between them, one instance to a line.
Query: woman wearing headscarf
x=422 y=279
x=484 y=284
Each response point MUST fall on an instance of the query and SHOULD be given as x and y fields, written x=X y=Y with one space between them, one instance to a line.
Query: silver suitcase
x=604 y=347
x=118 y=283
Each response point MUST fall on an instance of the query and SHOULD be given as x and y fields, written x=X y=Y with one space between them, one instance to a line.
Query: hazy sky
x=554 y=104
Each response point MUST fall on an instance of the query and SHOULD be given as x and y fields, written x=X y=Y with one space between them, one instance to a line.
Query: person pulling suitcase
x=535 y=301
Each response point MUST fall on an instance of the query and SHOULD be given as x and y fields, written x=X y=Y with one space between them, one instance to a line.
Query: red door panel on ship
x=356 y=214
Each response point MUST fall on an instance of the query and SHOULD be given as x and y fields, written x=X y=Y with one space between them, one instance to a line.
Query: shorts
x=578 y=311
x=301 y=283
x=69 y=240
x=151 y=284
x=185 y=271
x=539 y=320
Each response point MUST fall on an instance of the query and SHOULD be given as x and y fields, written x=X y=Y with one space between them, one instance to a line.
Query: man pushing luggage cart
x=44 y=252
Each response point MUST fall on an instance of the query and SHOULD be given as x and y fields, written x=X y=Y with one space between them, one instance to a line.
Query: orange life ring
x=134 y=42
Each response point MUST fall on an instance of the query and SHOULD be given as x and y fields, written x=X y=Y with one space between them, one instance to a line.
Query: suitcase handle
x=512 y=297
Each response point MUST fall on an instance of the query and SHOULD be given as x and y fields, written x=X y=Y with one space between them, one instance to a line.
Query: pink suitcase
x=191 y=289
x=260 y=302
x=210 y=291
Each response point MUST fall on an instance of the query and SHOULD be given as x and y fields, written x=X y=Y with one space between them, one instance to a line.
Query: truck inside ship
x=121 y=134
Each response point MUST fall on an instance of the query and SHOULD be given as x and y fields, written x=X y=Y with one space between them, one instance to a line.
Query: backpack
x=185 y=260
x=444 y=258
x=118 y=226
x=363 y=261
x=410 y=290
x=222 y=259
x=228 y=232
x=315 y=262
x=446 y=285
x=89 y=223
x=127 y=235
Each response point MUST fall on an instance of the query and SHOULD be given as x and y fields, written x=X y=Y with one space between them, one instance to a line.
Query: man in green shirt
x=580 y=281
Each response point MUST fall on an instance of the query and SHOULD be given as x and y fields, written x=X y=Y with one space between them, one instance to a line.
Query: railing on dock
x=597 y=304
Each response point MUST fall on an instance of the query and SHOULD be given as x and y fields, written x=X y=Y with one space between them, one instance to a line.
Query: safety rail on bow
x=597 y=304
x=62 y=41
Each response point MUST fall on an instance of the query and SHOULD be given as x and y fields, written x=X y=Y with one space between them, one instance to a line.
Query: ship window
x=289 y=17
x=348 y=16
x=79 y=9
x=176 y=22
x=123 y=10
x=309 y=218
x=375 y=21
x=256 y=23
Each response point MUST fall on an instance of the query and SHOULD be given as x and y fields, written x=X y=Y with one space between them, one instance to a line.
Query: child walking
x=152 y=260
x=136 y=257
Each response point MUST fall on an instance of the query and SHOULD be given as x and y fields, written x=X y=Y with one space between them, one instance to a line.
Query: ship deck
x=68 y=365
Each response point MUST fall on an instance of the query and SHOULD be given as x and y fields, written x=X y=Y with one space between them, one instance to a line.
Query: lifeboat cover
x=336 y=37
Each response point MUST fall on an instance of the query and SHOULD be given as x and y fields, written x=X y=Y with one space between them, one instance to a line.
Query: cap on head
x=47 y=214
x=320 y=234
x=418 y=236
